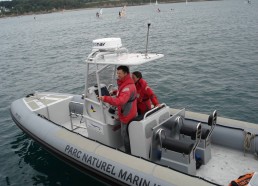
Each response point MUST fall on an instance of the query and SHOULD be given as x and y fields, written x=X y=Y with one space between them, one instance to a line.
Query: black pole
x=147 y=40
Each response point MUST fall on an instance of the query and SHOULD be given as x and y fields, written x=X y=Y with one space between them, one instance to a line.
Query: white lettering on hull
x=108 y=168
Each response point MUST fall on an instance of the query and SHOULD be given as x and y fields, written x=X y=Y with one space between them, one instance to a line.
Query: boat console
x=101 y=120
x=102 y=125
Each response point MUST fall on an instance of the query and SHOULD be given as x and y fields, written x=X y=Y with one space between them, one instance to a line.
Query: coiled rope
x=248 y=137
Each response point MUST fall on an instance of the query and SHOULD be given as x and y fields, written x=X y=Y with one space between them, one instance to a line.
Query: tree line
x=19 y=7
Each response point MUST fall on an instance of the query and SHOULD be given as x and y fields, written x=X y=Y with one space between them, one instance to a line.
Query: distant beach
x=98 y=5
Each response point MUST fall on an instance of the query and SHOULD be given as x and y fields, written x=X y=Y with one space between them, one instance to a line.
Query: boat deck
x=78 y=126
x=227 y=165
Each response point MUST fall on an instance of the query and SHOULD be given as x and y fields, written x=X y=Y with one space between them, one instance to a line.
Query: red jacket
x=125 y=99
x=145 y=96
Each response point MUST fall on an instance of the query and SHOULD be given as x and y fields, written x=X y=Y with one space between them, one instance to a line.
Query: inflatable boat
x=168 y=146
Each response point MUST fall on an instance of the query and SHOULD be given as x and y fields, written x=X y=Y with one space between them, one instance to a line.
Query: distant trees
x=28 y=6
x=18 y=7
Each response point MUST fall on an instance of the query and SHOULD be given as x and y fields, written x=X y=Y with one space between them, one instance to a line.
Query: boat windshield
x=105 y=77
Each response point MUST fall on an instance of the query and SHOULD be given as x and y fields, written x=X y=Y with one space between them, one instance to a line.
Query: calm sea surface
x=211 y=62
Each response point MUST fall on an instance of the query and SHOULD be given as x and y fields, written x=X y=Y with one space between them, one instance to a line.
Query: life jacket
x=125 y=99
x=145 y=96
x=242 y=180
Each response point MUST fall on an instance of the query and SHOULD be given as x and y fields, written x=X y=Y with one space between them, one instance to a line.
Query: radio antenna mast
x=146 y=52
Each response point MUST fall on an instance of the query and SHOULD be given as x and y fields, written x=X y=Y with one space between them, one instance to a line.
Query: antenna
x=146 y=53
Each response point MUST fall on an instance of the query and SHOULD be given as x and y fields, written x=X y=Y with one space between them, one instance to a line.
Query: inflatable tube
x=85 y=154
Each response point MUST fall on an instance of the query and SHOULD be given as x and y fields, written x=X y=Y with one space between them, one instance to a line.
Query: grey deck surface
x=227 y=165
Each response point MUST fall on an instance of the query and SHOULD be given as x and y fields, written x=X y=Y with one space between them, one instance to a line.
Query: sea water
x=211 y=62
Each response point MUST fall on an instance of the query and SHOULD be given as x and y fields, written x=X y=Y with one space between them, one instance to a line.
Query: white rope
x=248 y=137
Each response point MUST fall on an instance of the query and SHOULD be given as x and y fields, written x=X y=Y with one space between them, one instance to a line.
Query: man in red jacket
x=145 y=95
x=125 y=101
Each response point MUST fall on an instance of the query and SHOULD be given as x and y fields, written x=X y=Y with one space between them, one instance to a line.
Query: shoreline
x=97 y=7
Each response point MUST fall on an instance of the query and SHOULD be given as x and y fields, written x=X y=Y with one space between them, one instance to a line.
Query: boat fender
x=242 y=180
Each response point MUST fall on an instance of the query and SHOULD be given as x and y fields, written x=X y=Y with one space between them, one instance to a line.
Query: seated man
x=145 y=95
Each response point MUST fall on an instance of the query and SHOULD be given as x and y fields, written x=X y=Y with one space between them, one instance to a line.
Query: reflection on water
x=48 y=169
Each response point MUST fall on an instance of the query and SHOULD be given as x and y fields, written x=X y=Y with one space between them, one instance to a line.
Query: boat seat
x=76 y=109
x=179 y=154
x=177 y=145
x=140 y=130
x=138 y=118
x=142 y=116
x=187 y=133
x=191 y=131
x=76 y=105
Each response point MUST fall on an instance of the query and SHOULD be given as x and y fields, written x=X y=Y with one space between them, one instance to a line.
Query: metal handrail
x=159 y=133
x=178 y=118
x=155 y=108
x=197 y=137
x=76 y=102
x=95 y=102
x=214 y=122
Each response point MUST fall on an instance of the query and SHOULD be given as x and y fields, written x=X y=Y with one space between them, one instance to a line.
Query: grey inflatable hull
x=113 y=165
